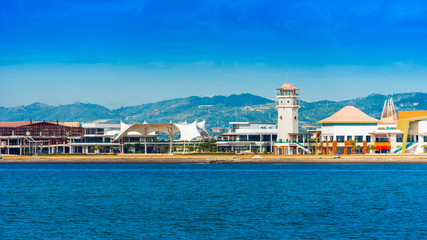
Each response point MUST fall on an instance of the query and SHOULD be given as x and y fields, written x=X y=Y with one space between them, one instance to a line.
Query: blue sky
x=119 y=53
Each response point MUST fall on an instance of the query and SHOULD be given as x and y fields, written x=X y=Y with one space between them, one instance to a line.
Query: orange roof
x=349 y=114
x=411 y=114
x=287 y=86
x=13 y=124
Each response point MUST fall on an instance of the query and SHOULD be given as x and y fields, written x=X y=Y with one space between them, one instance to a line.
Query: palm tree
x=102 y=149
x=353 y=143
x=359 y=149
x=371 y=147
x=312 y=149
x=190 y=148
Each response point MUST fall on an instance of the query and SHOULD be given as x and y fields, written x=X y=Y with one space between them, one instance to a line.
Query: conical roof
x=287 y=86
x=349 y=114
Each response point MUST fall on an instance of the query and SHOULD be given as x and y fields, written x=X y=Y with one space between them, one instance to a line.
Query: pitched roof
x=13 y=124
x=349 y=114
x=287 y=86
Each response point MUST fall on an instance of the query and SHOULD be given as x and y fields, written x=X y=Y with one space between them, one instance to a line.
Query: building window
x=368 y=138
x=359 y=138
x=381 y=140
x=399 y=138
x=94 y=131
x=348 y=138
x=93 y=140
x=340 y=138
x=425 y=138
x=254 y=138
x=266 y=137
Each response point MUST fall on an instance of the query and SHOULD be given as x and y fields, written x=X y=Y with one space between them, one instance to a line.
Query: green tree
x=190 y=148
x=359 y=149
x=312 y=147
x=137 y=147
x=255 y=150
x=175 y=147
x=163 y=149
x=102 y=149
x=128 y=146
x=205 y=146
x=353 y=143
x=371 y=147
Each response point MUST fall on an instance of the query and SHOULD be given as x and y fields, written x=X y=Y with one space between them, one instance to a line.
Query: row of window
x=356 y=138
x=368 y=139
x=257 y=138
x=94 y=131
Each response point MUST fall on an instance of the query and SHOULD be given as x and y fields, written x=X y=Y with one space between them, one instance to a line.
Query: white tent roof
x=202 y=127
x=188 y=131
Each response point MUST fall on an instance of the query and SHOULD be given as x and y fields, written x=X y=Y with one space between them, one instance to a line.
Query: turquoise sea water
x=224 y=201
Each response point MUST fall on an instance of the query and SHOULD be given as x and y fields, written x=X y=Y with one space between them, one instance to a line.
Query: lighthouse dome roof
x=287 y=86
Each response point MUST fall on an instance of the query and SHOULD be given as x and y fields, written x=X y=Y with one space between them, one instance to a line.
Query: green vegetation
x=217 y=110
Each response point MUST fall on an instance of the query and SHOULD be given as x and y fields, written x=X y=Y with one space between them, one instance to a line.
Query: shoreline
x=222 y=159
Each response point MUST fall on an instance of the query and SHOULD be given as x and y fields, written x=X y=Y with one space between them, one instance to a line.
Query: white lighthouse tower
x=287 y=104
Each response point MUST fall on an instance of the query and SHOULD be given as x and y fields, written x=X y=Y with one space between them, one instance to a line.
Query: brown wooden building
x=22 y=138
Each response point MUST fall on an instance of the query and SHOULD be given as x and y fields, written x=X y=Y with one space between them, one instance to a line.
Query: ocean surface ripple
x=216 y=201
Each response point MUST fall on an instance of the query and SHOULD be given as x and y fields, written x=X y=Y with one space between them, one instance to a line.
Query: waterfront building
x=413 y=125
x=345 y=132
x=289 y=140
x=248 y=137
x=99 y=138
x=29 y=138
x=21 y=138
x=351 y=131
x=188 y=133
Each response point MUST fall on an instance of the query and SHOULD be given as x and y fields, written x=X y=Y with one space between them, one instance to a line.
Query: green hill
x=217 y=111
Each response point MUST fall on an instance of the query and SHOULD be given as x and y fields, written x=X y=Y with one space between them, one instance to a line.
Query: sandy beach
x=190 y=158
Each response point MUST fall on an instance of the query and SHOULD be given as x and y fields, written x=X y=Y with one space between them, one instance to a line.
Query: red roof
x=349 y=114
x=13 y=124
x=287 y=86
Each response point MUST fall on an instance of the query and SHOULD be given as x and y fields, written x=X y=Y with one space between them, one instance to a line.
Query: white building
x=351 y=131
x=99 y=137
x=289 y=140
x=248 y=137
x=342 y=128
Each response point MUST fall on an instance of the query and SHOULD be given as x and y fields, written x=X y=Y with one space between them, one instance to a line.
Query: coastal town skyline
x=124 y=53
x=213 y=119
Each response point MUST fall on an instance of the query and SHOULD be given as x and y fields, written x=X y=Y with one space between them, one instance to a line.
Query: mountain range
x=218 y=111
